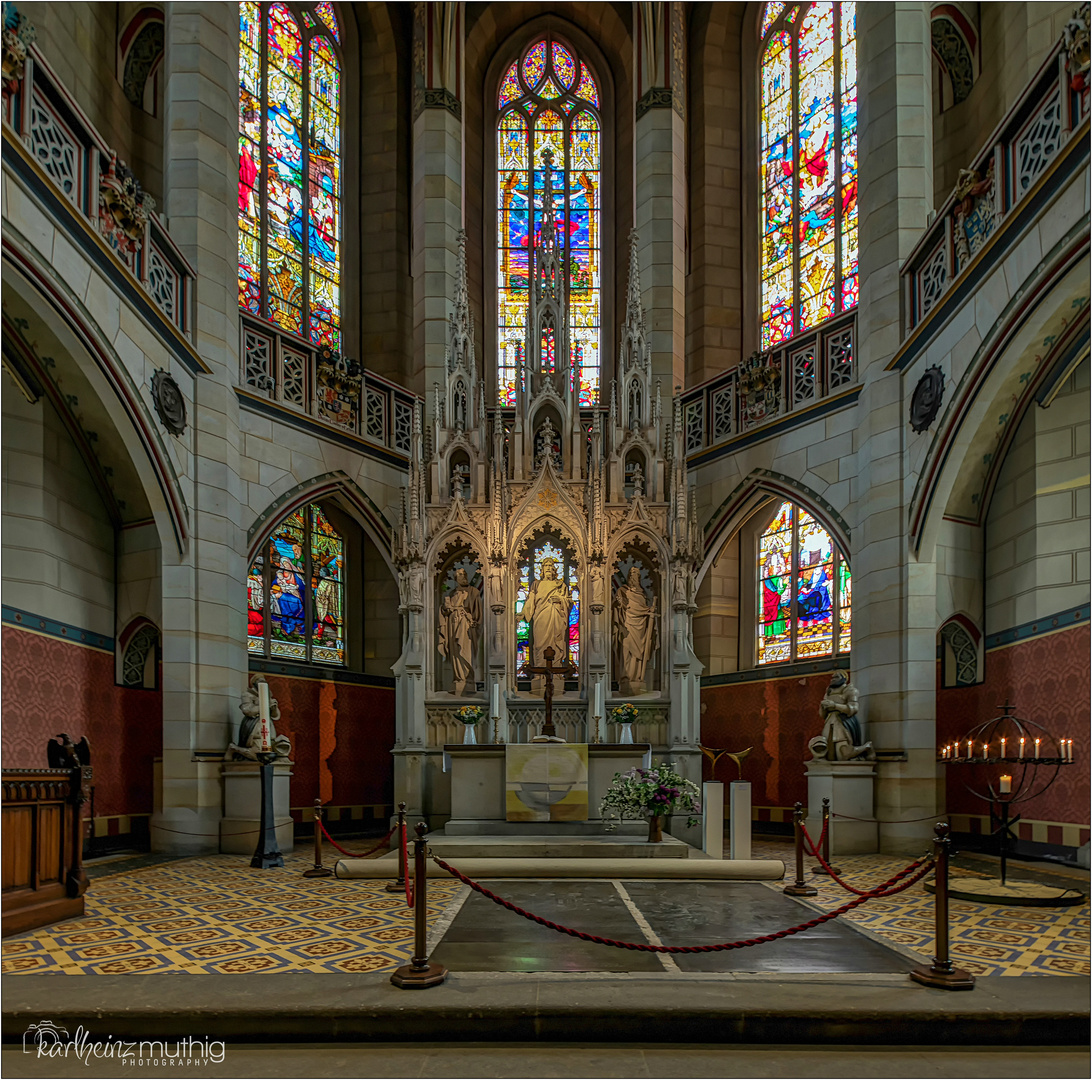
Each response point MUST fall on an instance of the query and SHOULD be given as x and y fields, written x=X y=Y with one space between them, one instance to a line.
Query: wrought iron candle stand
x=1035 y=758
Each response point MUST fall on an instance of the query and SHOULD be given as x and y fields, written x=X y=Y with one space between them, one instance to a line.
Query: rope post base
x=821 y=869
x=419 y=974
x=942 y=974
x=799 y=887
x=318 y=870
x=400 y=831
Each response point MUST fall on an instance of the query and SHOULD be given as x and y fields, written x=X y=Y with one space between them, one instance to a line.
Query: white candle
x=969 y=754
x=496 y=698
x=1036 y=749
x=985 y=750
x=1067 y=749
x=1002 y=747
x=1006 y=785
x=263 y=713
x=1021 y=754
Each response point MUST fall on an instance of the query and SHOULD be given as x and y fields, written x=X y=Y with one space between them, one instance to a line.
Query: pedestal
x=848 y=785
x=739 y=823
x=712 y=805
x=243 y=806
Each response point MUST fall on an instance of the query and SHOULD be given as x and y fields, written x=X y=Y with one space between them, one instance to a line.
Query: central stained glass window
x=549 y=99
x=290 y=168
x=804 y=590
x=296 y=591
x=808 y=160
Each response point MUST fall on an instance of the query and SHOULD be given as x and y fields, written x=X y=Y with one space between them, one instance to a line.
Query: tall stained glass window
x=290 y=168
x=808 y=155
x=549 y=98
x=296 y=591
x=804 y=590
x=532 y=570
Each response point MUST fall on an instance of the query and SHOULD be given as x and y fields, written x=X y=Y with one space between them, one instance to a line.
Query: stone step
x=603 y=846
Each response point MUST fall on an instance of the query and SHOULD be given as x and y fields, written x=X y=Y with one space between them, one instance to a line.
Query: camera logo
x=43 y=1034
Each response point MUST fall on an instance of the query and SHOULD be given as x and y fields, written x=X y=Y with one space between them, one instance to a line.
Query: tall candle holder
x=1008 y=760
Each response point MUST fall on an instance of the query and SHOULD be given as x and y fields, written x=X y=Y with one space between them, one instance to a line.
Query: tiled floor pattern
x=985 y=939
x=214 y=914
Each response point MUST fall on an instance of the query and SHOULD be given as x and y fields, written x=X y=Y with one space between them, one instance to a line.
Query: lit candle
x=1036 y=749
x=1006 y=785
x=1067 y=749
x=969 y=754
x=985 y=750
x=263 y=712
x=1002 y=746
x=1021 y=754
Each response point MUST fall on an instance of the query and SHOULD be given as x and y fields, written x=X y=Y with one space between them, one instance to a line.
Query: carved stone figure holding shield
x=635 y=634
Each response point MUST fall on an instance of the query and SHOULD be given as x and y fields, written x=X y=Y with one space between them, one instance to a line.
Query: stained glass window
x=808 y=155
x=543 y=103
x=532 y=570
x=290 y=169
x=296 y=591
x=803 y=590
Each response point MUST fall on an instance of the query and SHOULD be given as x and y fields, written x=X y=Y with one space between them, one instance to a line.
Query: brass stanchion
x=799 y=887
x=826 y=842
x=942 y=974
x=400 y=884
x=419 y=973
x=318 y=870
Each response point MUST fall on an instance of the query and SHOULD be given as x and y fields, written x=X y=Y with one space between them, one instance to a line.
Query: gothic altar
x=545 y=521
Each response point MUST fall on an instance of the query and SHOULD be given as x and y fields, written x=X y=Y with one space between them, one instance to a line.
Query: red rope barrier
x=742 y=944
x=898 y=821
x=849 y=888
x=353 y=854
x=406 y=864
x=819 y=843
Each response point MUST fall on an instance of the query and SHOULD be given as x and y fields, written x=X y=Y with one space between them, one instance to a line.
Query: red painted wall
x=1047 y=680
x=52 y=686
x=776 y=717
x=342 y=735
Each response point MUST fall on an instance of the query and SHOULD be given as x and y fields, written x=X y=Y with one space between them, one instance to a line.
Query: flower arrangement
x=624 y=714
x=655 y=792
x=470 y=714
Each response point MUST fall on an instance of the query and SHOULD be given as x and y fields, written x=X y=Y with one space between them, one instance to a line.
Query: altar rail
x=42 y=831
x=525 y=721
x=85 y=173
x=1033 y=133
x=772 y=385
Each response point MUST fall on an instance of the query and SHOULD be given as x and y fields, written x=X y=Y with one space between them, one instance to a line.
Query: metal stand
x=826 y=842
x=942 y=975
x=799 y=887
x=267 y=853
x=419 y=974
x=400 y=884
x=318 y=870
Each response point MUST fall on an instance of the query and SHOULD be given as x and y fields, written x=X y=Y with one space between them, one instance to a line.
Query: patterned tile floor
x=985 y=939
x=214 y=914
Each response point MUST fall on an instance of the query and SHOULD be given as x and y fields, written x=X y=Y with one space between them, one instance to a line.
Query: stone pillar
x=660 y=168
x=204 y=656
x=894 y=596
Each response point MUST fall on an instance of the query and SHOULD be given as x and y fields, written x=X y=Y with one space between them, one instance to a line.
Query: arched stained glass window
x=296 y=591
x=548 y=558
x=804 y=591
x=549 y=99
x=290 y=168
x=808 y=154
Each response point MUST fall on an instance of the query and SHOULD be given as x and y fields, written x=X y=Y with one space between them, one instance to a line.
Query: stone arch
x=140 y=57
x=961 y=652
x=955 y=50
x=138 y=644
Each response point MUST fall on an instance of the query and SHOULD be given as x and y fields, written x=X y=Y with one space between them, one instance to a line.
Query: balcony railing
x=86 y=173
x=770 y=385
x=1022 y=148
x=316 y=383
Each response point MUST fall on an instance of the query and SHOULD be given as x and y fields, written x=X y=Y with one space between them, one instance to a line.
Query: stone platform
x=696 y=869
x=609 y=846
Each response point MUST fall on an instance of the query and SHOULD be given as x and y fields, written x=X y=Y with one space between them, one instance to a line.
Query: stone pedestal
x=848 y=785
x=712 y=805
x=243 y=806
x=740 y=819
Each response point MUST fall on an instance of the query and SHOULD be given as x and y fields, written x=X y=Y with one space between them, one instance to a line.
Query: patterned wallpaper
x=52 y=686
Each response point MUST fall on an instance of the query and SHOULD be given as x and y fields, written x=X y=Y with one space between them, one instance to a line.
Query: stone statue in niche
x=547 y=442
x=460 y=627
x=841 y=739
x=635 y=634
x=547 y=610
x=460 y=481
x=250 y=729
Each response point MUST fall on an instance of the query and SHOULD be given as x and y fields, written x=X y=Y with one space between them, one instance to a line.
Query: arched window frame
x=792 y=306
x=497 y=110
x=260 y=581
x=840 y=595
x=321 y=281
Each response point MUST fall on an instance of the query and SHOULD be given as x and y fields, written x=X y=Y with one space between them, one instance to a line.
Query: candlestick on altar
x=263 y=714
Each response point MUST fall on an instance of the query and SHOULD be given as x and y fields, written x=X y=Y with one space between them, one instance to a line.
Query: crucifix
x=548 y=670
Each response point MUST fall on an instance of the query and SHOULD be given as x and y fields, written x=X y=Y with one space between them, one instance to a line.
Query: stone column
x=894 y=596
x=660 y=168
x=204 y=657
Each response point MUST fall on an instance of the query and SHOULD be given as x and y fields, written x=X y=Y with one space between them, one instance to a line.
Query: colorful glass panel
x=327 y=582
x=845 y=607
x=255 y=615
x=287 y=589
x=289 y=177
x=565 y=124
x=775 y=577
x=532 y=571
x=808 y=165
x=814 y=589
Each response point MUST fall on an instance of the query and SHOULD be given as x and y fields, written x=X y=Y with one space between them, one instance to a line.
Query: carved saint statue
x=460 y=626
x=841 y=737
x=250 y=728
x=634 y=634
x=547 y=610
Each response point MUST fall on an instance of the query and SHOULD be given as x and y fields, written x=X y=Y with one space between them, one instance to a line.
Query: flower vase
x=470 y=735
x=627 y=733
x=655 y=828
